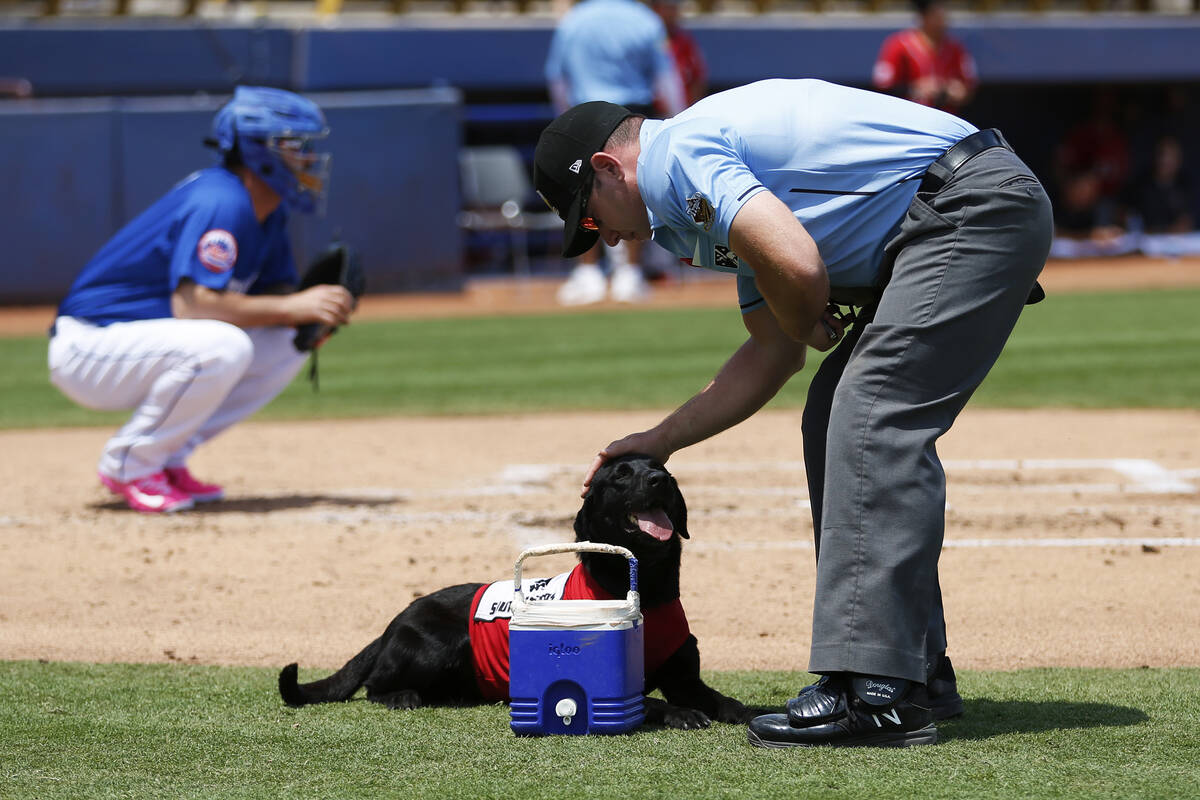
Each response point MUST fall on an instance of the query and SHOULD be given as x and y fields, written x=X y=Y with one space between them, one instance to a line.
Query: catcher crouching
x=187 y=316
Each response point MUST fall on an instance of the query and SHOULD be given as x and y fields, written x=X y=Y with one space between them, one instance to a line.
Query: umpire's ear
x=678 y=510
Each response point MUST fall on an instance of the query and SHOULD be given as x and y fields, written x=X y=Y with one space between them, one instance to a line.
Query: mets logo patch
x=701 y=211
x=217 y=250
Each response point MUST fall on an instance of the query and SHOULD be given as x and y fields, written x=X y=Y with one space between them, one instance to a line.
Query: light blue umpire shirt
x=611 y=50
x=846 y=161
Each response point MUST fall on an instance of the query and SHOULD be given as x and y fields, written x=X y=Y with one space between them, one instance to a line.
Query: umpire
x=820 y=197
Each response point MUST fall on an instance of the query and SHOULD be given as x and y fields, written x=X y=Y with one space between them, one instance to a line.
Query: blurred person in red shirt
x=689 y=60
x=1098 y=146
x=1092 y=168
x=925 y=63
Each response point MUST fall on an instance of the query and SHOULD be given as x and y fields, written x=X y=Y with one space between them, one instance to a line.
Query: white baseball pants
x=186 y=380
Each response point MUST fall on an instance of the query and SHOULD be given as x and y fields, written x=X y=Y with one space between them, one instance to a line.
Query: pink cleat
x=152 y=493
x=199 y=491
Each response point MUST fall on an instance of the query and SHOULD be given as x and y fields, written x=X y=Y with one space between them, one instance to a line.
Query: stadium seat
x=496 y=189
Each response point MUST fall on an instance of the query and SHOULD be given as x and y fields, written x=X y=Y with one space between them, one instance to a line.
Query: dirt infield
x=1071 y=536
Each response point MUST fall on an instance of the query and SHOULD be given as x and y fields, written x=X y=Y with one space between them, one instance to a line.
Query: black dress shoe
x=942 y=686
x=846 y=711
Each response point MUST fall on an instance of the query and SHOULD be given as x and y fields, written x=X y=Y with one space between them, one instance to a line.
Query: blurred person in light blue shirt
x=617 y=51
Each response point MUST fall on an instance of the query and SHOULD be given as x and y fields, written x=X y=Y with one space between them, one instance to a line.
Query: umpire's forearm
x=747 y=381
x=787 y=264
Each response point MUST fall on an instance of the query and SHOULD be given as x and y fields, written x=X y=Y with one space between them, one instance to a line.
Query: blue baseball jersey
x=203 y=229
x=846 y=161
x=610 y=50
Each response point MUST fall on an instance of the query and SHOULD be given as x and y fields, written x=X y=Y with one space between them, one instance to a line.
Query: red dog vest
x=666 y=626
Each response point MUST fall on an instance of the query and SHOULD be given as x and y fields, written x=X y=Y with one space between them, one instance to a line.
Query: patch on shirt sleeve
x=217 y=250
x=701 y=211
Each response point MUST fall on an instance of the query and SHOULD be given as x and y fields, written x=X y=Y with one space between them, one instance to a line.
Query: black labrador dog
x=425 y=656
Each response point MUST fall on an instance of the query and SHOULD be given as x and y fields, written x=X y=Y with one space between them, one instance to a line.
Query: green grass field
x=74 y=730
x=1074 y=350
x=83 y=731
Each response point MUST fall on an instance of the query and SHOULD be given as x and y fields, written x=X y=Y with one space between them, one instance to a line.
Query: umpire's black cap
x=562 y=167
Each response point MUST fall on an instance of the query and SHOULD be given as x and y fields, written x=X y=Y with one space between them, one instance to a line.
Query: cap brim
x=577 y=240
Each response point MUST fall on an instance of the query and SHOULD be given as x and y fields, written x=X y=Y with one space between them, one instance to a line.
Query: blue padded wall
x=1007 y=50
x=148 y=57
x=161 y=141
x=56 y=167
x=394 y=193
x=173 y=57
x=76 y=170
x=508 y=57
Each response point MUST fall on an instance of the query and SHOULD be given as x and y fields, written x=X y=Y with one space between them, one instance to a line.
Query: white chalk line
x=526 y=534
x=524 y=529
x=798 y=492
x=1142 y=475
x=953 y=544
x=494 y=517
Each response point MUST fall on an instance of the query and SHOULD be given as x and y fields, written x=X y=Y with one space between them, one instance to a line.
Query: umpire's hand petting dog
x=430 y=653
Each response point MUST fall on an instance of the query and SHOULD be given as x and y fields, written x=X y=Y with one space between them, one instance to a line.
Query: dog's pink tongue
x=655 y=523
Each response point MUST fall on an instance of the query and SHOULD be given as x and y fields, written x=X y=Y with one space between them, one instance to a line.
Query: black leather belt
x=940 y=171
x=938 y=175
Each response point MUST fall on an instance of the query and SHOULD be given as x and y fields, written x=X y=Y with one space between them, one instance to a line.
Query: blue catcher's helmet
x=274 y=132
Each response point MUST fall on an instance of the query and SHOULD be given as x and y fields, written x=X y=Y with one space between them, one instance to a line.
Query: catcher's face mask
x=293 y=167
x=275 y=133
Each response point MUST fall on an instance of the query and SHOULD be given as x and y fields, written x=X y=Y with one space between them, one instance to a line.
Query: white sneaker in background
x=585 y=285
x=628 y=285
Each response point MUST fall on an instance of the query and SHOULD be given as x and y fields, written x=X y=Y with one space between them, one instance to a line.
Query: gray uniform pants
x=963 y=263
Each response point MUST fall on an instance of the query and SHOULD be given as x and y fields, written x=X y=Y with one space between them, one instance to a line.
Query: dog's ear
x=582 y=517
x=678 y=510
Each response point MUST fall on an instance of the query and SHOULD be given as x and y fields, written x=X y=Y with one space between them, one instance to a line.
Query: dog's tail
x=339 y=686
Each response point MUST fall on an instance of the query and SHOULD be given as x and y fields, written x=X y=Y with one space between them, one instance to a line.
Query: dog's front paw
x=731 y=711
x=685 y=719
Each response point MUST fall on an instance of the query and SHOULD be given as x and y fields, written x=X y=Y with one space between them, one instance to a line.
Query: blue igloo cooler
x=576 y=666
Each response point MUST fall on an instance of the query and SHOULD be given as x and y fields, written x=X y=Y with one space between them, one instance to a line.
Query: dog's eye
x=623 y=471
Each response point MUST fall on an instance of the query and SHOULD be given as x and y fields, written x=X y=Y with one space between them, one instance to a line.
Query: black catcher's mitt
x=338 y=265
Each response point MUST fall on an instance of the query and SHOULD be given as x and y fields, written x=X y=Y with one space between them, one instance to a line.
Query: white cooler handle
x=631 y=599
